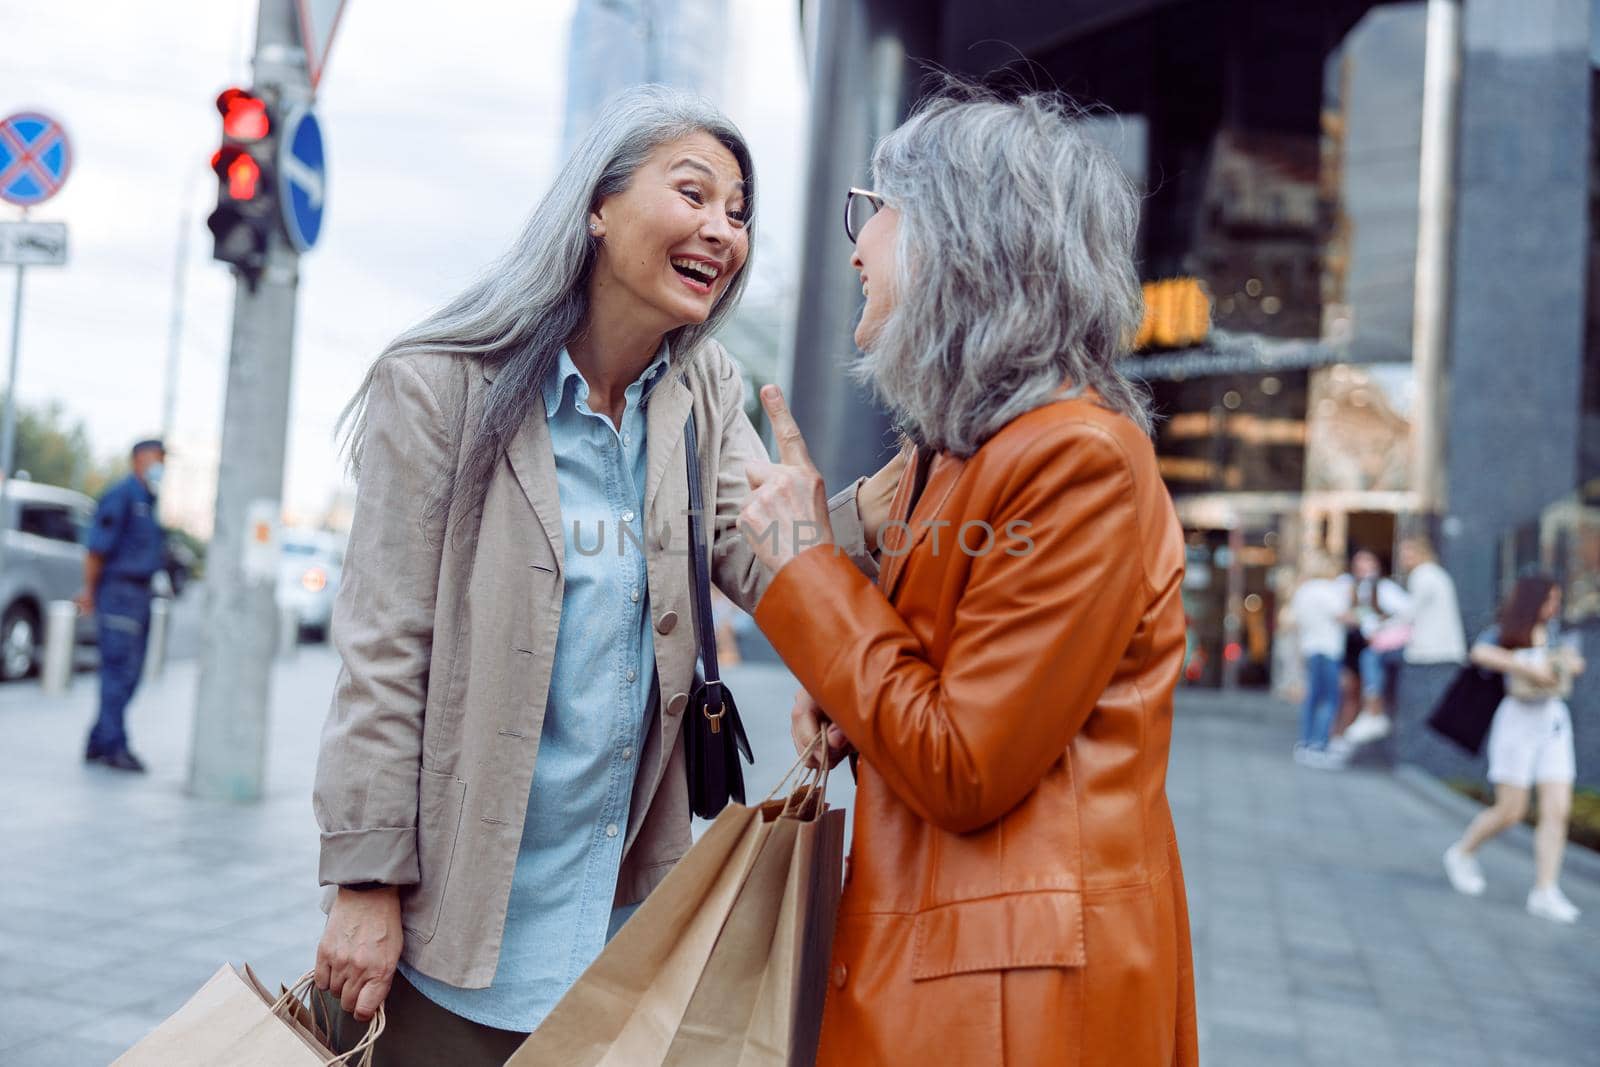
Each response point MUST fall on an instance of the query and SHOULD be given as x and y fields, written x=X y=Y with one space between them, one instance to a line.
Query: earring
x=593 y=228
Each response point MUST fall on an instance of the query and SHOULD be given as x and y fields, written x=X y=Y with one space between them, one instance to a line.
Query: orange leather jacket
x=1014 y=894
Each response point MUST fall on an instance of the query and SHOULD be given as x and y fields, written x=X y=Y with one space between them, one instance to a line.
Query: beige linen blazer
x=448 y=632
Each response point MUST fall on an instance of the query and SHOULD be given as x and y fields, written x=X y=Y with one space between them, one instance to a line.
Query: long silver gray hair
x=521 y=311
x=1015 y=269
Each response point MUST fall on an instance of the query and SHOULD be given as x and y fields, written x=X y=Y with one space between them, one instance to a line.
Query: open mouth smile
x=697 y=274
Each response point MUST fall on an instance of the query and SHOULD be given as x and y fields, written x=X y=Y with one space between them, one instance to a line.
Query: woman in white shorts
x=1530 y=743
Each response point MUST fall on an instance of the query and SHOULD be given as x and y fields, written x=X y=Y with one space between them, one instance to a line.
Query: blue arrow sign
x=302 y=178
x=35 y=158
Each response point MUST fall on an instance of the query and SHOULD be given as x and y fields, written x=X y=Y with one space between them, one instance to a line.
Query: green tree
x=53 y=448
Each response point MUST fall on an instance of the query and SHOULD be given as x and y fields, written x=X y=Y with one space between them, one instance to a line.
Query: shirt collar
x=555 y=386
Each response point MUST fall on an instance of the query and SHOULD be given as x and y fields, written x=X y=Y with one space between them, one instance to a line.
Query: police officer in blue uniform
x=126 y=548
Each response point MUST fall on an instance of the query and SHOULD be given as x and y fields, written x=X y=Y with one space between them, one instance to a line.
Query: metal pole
x=155 y=654
x=233 y=698
x=60 y=643
x=180 y=274
x=1431 y=303
x=8 y=428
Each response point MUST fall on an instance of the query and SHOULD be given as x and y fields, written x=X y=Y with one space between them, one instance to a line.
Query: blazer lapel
x=533 y=461
x=667 y=407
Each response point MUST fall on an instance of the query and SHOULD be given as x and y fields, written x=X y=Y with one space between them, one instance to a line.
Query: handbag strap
x=700 y=582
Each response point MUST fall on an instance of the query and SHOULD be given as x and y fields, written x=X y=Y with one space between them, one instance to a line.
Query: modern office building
x=618 y=43
x=1390 y=207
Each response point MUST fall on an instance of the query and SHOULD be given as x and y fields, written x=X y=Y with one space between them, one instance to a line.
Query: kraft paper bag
x=725 y=962
x=233 y=1020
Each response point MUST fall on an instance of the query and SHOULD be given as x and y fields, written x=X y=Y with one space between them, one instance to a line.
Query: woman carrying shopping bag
x=1530 y=743
x=502 y=775
x=1014 y=895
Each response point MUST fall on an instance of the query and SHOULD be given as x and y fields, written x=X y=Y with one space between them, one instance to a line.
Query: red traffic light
x=244 y=115
x=242 y=173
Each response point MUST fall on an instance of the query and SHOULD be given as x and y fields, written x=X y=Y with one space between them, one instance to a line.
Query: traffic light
x=247 y=205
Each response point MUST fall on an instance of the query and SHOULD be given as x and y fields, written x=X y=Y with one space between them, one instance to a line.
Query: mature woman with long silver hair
x=501 y=778
x=1014 y=894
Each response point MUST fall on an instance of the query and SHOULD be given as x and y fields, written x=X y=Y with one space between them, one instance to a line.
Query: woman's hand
x=876 y=495
x=787 y=510
x=359 y=949
x=805 y=720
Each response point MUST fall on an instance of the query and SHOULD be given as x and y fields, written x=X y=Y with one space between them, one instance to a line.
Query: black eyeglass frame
x=871 y=197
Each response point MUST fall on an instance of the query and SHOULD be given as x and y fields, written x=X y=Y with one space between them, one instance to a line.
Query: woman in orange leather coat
x=1014 y=894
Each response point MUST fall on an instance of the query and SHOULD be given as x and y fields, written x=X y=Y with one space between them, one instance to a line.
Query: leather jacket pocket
x=1034 y=929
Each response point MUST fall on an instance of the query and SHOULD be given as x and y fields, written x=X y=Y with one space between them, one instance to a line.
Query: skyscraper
x=618 y=43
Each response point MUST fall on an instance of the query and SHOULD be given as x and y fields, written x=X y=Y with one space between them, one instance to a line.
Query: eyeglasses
x=859 y=207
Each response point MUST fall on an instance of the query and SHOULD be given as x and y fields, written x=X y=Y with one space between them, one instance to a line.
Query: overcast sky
x=441 y=122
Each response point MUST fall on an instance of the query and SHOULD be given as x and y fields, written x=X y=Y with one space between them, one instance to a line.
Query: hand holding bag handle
x=714 y=735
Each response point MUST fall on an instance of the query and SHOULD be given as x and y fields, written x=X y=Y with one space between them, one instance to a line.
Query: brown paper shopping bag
x=687 y=978
x=233 y=1020
x=759 y=1001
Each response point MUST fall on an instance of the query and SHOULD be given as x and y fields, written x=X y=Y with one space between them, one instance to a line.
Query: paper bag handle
x=818 y=778
x=301 y=990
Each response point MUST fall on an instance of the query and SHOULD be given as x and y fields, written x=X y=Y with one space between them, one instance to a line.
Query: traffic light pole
x=228 y=755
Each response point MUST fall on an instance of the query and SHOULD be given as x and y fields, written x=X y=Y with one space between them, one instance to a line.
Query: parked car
x=43 y=561
x=308 y=577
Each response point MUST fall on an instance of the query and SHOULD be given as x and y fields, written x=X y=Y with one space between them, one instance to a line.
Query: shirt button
x=634 y=596
x=840 y=973
x=632 y=675
x=627 y=516
x=611 y=831
x=627 y=753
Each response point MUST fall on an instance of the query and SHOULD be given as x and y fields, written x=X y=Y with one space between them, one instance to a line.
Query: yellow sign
x=1177 y=314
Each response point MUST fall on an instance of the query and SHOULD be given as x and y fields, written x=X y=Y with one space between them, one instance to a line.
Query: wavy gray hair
x=1015 y=268
x=524 y=309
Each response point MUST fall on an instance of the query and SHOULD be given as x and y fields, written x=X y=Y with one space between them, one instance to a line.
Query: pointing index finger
x=785 y=431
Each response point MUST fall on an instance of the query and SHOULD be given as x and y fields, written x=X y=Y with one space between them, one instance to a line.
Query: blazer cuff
x=386 y=854
x=844 y=516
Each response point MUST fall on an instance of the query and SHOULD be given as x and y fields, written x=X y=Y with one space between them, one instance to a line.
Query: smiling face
x=673 y=241
x=875 y=260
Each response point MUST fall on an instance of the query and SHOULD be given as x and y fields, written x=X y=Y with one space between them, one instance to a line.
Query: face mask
x=153 y=473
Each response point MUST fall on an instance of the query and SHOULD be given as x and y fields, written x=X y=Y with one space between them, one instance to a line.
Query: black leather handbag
x=713 y=735
x=1466 y=711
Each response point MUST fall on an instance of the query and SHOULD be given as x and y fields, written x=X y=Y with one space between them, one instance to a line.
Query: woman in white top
x=1317 y=610
x=1530 y=743
x=1377 y=632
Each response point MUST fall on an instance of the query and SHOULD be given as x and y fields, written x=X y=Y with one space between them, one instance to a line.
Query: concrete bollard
x=288 y=631
x=155 y=649
x=60 y=642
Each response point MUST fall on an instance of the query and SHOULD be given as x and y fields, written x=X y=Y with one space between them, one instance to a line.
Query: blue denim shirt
x=560 y=913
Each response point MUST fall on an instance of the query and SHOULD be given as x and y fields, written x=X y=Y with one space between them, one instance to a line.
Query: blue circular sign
x=302 y=178
x=35 y=158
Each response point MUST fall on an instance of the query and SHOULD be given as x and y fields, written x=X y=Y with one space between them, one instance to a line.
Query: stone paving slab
x=1324 y=930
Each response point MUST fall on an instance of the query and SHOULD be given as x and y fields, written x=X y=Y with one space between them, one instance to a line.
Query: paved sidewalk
x=1324 y=930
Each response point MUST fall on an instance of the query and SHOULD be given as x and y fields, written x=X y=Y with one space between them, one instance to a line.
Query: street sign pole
x=228 y=754
x=8 y=429
x=35 y=159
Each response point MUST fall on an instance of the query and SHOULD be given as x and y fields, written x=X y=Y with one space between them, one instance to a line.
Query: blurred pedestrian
x=1316 y=611
x=1530 y=743
x=501 y=779
x=1015 y=894
x=1437 y=635
x=1376 y=636
x=125 y=549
